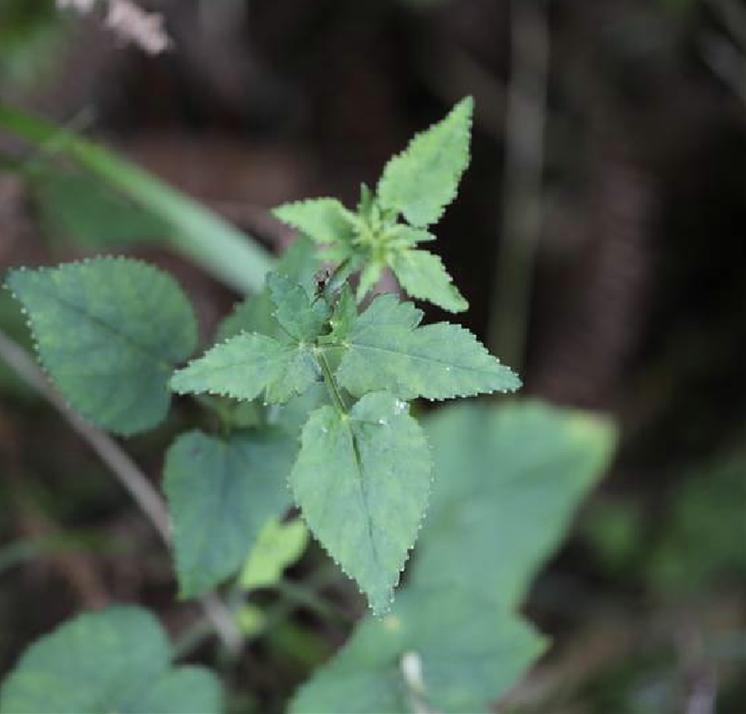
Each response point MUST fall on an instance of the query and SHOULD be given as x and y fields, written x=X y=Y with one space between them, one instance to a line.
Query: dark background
x=637 y=302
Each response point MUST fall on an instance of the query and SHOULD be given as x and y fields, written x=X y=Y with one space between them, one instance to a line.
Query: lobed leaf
x=323 y=220
x=385 y=350
x=361 y=481
x=109 y=332
x=221 y=493
x=422 y=180
x=423 y=275
x=117 y=659
x=248 y=365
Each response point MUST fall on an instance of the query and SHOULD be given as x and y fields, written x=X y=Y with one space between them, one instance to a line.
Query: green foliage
x=385 y=349
x=371 y=461
x=301 y=358
x=221 y=493
x=116 y=660
x=417 y=184
x=109 y=332
x=323 y=220
x=519 y=472
x=464 y=661
x=256 y=313
x=507 y=482
x=362 y=481
x=248 y=365
x=278 y=546
x=421 y=181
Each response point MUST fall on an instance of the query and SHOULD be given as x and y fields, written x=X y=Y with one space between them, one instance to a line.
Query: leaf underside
x=109 y=332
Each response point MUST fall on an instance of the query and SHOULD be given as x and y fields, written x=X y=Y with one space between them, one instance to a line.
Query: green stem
x=331 y=383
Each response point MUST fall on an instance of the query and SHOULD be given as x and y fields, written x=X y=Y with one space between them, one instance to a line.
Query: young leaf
x=423 y=276
x=323 y=220
x=109 y=332
x=300 y=318
x=465 y=653
x=278 y=546
x=220 y=496
x=247 y=365
x=362 y=481
x=255 y=313
x=422 y=180
x=114 y=660
x=385 y=350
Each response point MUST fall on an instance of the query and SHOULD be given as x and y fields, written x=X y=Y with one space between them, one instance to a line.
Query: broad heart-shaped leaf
x=362 y=481
x=422 y=180
x=256 y=313
x=468 y=653
x=384 y=350
x=248 y=365
x=323 y=220
x=114 y=660
x=221 y=493
x=423 y=276
x=507 y=483
x=109 y=332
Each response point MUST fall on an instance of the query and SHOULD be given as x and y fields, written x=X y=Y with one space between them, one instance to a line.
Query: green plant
x=311 y=382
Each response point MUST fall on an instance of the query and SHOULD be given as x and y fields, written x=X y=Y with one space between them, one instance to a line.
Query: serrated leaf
x=422 y=180
x=115 y=660
x=362 y=481
x=278 y=546
x=109 y=332
x=467 y=654
x=507 y=481
x=300 y=317
x=369 y=276
x=385 y=350
x=423 y=275
x=255 y=314
x=519 y=472
x=248 y=365
x=323 y=220
x=403 y=235
x=221 y=493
